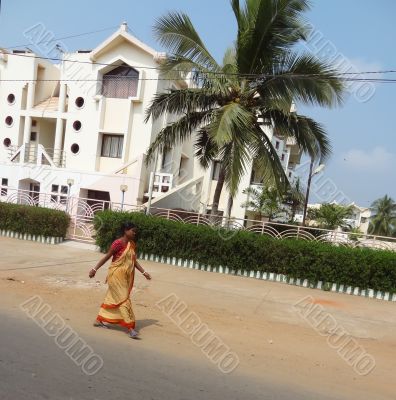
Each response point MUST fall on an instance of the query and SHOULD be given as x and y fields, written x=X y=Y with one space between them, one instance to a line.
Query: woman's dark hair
x=126 y=226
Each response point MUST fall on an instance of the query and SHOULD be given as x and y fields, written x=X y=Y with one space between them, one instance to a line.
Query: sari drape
x=117 y=306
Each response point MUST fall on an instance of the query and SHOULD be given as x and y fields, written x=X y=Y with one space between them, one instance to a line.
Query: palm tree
x=331 y=216
x=259 y=78
x=383 y=221
x=264 y=202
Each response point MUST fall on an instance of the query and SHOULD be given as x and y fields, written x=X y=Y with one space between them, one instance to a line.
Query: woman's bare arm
x=140 y=268
x=101 y=262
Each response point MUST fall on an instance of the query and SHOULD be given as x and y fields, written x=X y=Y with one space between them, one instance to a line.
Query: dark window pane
x=121 y=82
x=112 y=146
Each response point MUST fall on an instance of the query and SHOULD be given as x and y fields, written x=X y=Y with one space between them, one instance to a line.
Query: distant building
x=360 y=217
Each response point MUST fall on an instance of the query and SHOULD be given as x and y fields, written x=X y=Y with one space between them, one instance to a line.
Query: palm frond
x=181 y=101
x=304 y=78
x=310 y=136
x=235 y=158
x=230 y=121
x=176 y=32
x=267 y=162
x=266 y=28
x=177 y=132
x=206 y=149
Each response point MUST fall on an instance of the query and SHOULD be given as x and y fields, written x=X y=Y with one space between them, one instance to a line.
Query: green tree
x=383 y=220
x=264 y=202
x=331 y=216
x=295 y=198
x=255 y=85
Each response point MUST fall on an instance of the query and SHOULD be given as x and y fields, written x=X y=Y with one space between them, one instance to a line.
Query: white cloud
x=376 y=160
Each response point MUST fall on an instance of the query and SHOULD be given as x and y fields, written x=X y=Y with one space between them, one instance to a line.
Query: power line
x=256 y=75
x=61 y=38
x=379 y=80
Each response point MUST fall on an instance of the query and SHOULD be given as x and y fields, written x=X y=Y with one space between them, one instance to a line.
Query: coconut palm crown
x=229 y=104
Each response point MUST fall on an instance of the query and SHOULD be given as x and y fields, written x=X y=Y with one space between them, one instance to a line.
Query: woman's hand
x=147 y=275
x=92 y=273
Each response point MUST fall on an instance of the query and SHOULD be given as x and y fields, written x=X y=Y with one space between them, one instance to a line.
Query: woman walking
x=117 y=306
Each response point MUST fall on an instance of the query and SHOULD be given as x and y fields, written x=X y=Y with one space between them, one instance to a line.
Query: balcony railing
x=37 y=154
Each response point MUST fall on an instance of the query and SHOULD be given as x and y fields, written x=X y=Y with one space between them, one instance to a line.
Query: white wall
x=46 y=133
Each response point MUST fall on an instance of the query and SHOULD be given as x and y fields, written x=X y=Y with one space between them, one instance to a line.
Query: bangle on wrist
x=144 y=272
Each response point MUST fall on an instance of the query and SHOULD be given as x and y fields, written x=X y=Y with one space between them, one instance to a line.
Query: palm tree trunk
x=307 y=195
x=229 y=206
x=217 y=193
x=293 y=211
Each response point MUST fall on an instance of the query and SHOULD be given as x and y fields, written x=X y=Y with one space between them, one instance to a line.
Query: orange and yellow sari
x=117 y=306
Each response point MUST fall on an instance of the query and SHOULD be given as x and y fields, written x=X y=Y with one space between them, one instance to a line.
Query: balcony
x=38 y=155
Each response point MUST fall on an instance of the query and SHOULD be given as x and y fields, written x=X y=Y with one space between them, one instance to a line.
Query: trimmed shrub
x=314 y=261
x=33 y=220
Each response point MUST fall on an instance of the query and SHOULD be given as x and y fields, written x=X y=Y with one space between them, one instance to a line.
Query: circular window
x=9 y=121
x=79 y=102
x=7 y=142
x=11 y=98
x=77 y=125
x=75 y=148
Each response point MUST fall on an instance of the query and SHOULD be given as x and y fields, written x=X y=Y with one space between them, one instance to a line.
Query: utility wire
x=206 y=72
x=170 y=79
x=61 y=38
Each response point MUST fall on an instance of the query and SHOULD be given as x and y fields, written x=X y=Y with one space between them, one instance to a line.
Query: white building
x=360 y=217
x=78 y=129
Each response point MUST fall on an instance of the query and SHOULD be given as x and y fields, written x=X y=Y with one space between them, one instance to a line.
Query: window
x=54 y=189
x=65 y=191
x=33 y=136
x=290 y=174
x=183 y=167
x=363 y=220
x=11 y=98
x=166 y=159
x=277 y=145
x=4 y=182
x=121 y=82
x=9 y=120
x=77 y=125
x=216 y=170
x=7 y=142
x=283 y=157
x=34 y=122
x=75 y=148
x=80 y=102
x=256 y=178
x=112 y=146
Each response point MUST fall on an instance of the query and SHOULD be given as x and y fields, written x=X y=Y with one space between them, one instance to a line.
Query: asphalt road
x=32 y=367
x=281 y=356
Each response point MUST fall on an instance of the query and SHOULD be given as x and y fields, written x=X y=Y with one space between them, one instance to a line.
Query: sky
x=357 y=35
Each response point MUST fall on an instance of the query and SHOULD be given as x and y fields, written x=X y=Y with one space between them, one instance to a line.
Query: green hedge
x=314 y=261
x=33 y=220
